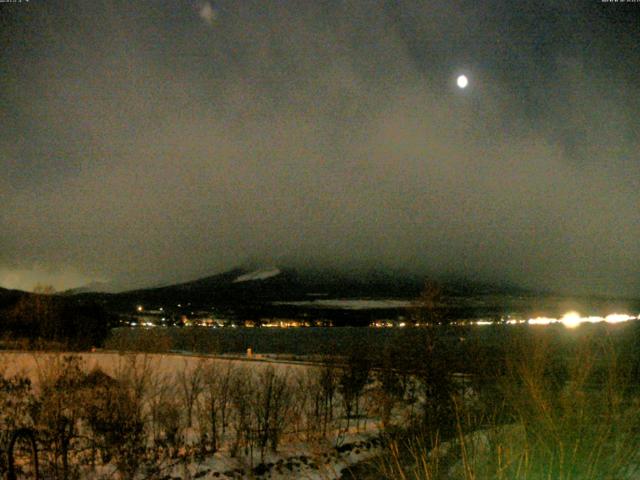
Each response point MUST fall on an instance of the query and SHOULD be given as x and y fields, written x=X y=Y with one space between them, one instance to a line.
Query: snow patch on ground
x=353 y=304
x=258 y=275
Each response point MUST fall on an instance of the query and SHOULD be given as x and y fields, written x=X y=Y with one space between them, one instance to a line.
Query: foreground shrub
x=114 y=415
x=17 y=409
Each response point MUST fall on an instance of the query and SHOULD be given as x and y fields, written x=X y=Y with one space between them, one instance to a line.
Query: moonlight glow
x=462 y=81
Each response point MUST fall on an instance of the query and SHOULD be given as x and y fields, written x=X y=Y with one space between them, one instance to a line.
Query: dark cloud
x=147 y=142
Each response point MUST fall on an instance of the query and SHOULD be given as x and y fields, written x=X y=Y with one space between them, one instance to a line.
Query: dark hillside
x=72 y=322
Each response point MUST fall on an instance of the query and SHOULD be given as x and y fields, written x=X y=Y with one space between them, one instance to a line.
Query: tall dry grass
x=560 y=406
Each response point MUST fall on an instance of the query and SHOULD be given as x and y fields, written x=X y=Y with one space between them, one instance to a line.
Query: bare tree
x=304 y=416
x=36 y=315
x=62 y=386
x=392 y=384
x=280 y=417
x=136 y=372
x=29 y=435
x=427 y=308
x=17 y=403
x=160 y=390
x=114 y=414
x=314 y=398
x=190 y=384
x=329 y=385
x=271 y=404
x=353 y=378
x=216 y=400
x=241 y=418
x=170 y=423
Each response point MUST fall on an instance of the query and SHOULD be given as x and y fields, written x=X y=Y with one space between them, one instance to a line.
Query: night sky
x=147 y=142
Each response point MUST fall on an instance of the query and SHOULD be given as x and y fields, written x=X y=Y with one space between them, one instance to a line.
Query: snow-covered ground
x=297 y=457
x=31 y=364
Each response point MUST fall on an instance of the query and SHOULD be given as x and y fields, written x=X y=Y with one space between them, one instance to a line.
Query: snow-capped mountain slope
x=261 y=274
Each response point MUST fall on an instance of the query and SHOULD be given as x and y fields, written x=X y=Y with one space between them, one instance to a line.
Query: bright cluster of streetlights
x=569 y=320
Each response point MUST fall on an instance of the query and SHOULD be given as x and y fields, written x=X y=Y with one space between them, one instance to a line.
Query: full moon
x=462 y=81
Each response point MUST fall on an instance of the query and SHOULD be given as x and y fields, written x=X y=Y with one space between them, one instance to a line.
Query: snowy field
x=33 y=364
x=181 y=400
